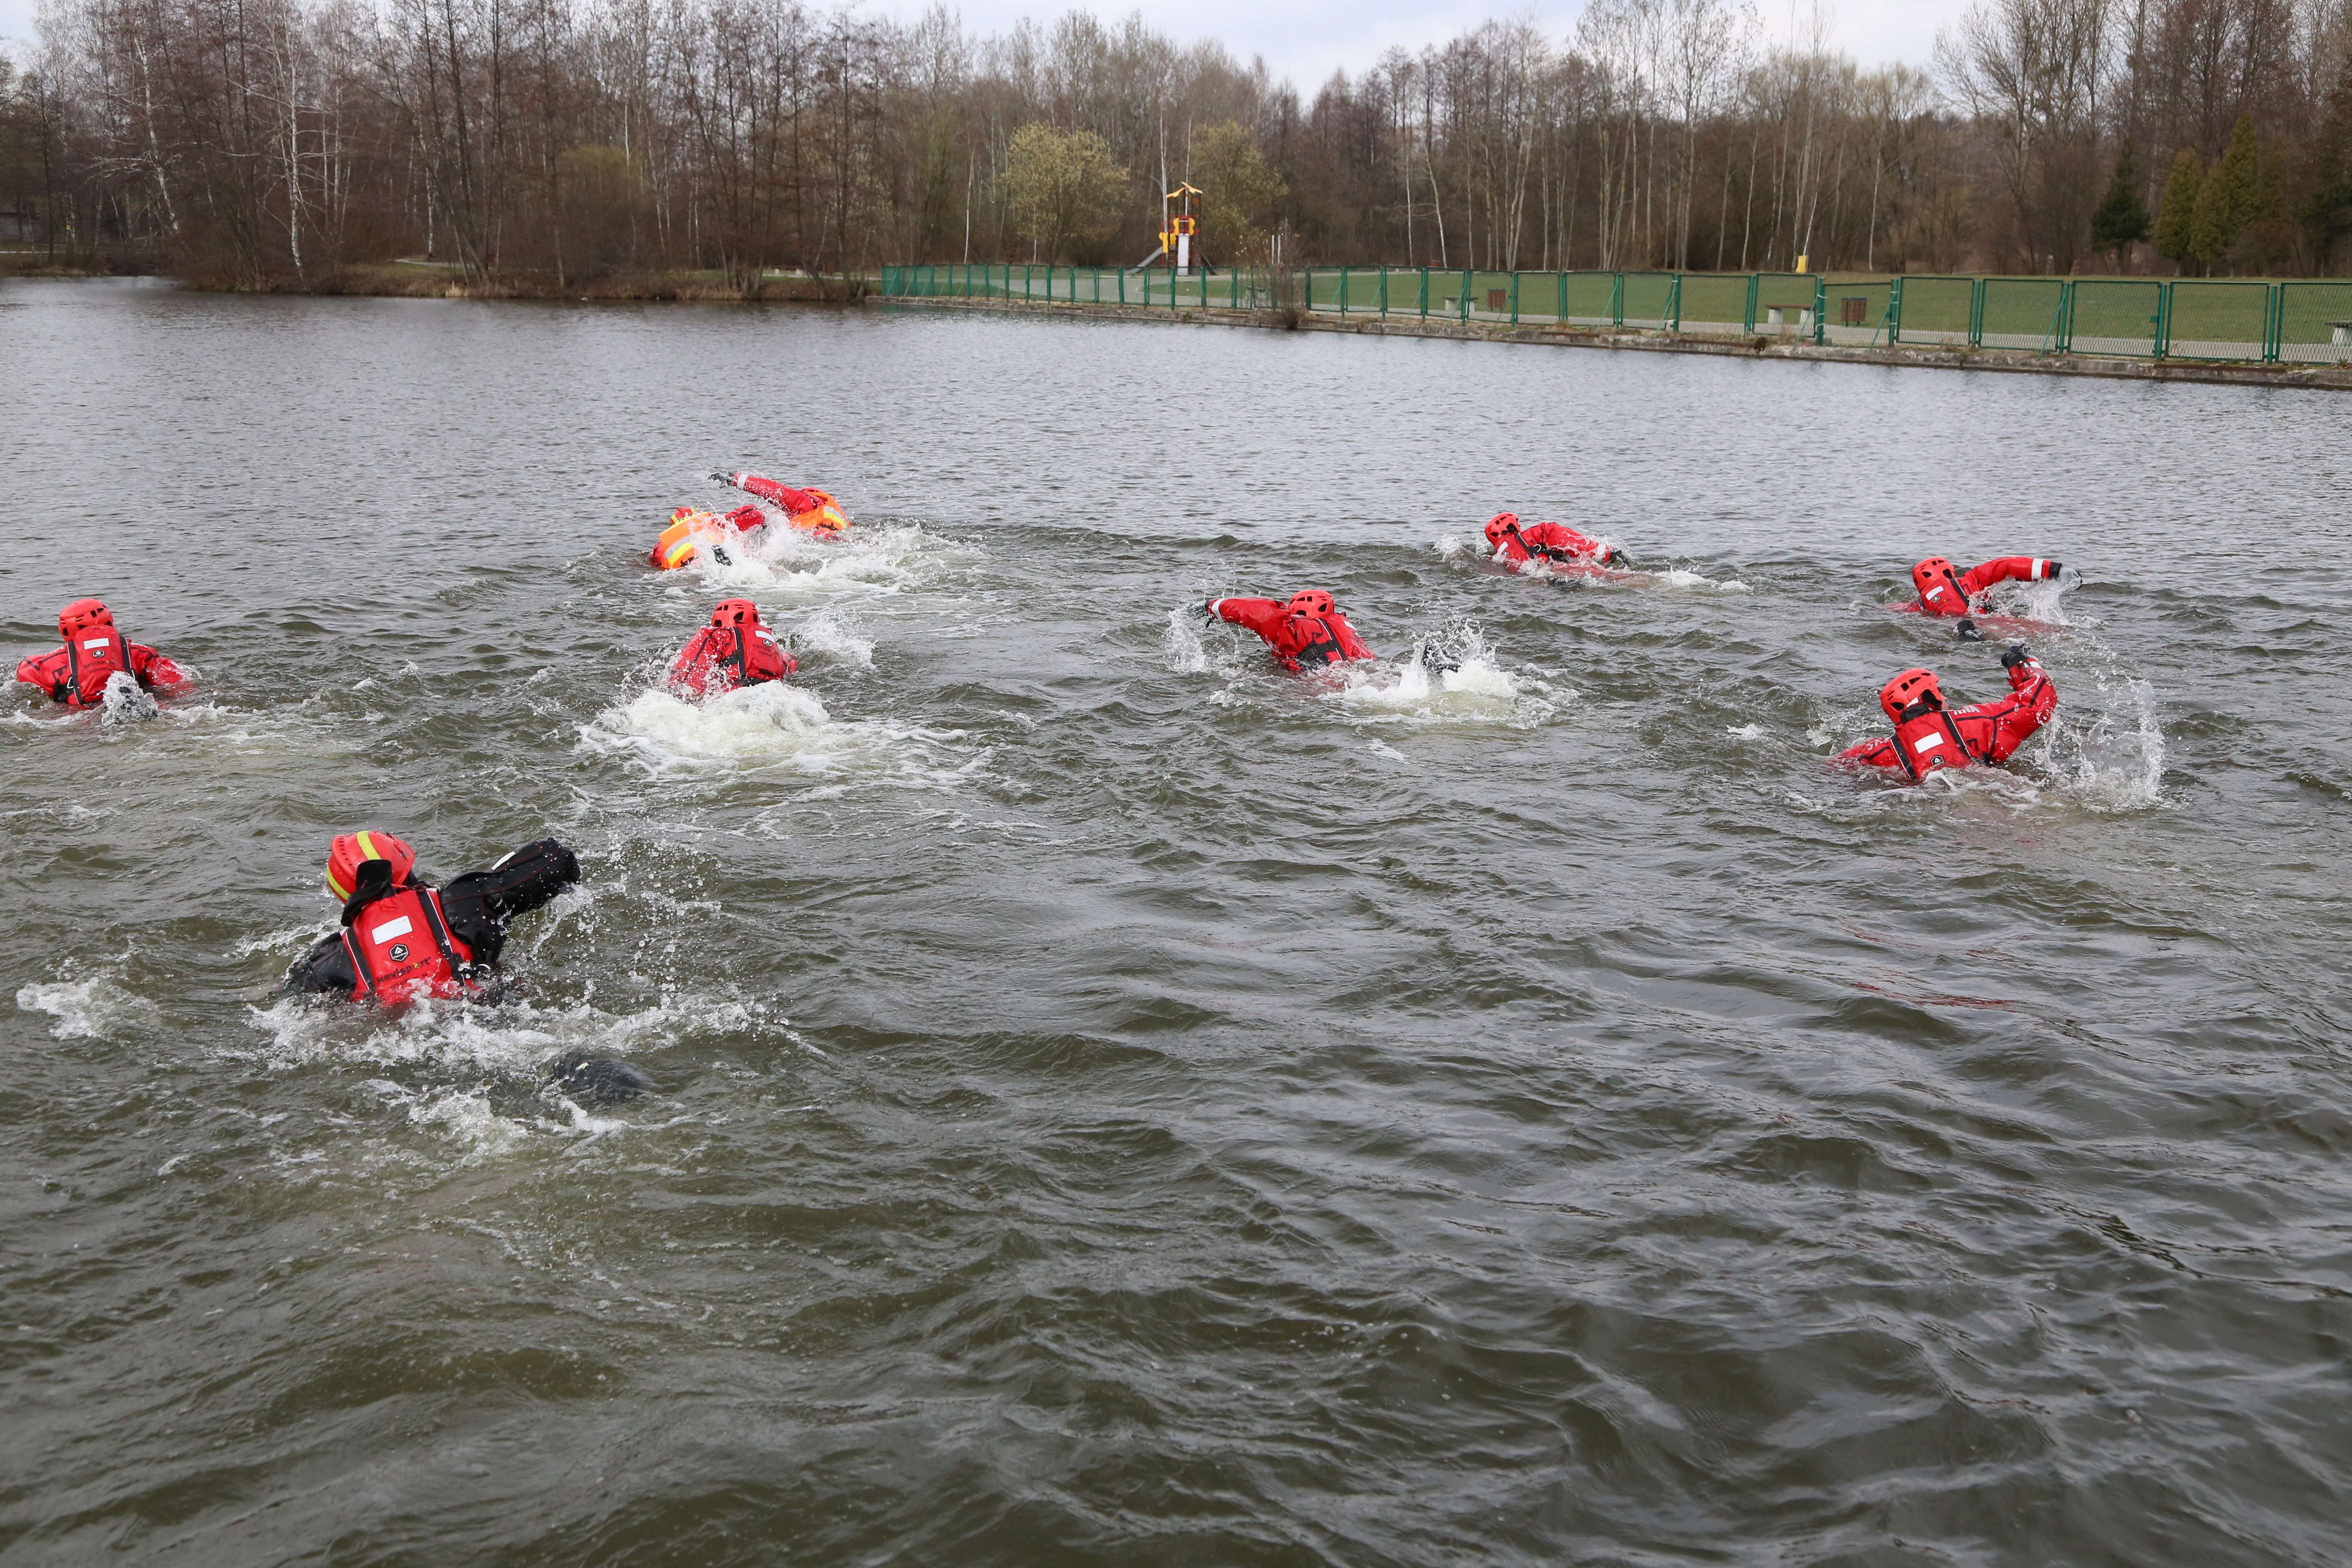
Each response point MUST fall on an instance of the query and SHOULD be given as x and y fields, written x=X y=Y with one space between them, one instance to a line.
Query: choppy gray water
x=1119 y=1103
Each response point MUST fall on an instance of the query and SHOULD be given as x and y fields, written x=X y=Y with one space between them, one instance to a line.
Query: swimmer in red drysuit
x=402 y=938
x=76 y=674
x=1944 y=592
x=733 y=651
x=1515 y=546
x=1305 y=632
x=1929 y=737
x=676 y=545
x=812 y=509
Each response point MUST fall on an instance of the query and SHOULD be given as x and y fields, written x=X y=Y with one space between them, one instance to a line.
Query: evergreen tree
x=2177 y=215
x=2325 y=210
x=2122 y=218
x=2228 y=199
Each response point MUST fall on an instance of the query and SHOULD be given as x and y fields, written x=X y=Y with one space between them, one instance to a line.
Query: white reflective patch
x=763 y=633
x=391 y=929
x=1933 y=592
x=1928 y=742
x=96 y=642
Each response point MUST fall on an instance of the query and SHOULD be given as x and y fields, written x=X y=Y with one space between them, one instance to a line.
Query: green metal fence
x=2181 y=318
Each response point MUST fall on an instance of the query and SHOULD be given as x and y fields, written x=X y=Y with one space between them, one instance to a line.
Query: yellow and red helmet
x=735 y=613
x=1501 y=523
x=1312 y=602
x=81 y=616
x=352 y=850
x=1934 y=572
x=1911 y=686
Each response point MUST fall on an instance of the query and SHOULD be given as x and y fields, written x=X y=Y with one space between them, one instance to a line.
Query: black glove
x=1209 y=609
x=2056 y=567
x=1967 y=631
x=2018 y=654
x=1618 y=558
x=723 y=478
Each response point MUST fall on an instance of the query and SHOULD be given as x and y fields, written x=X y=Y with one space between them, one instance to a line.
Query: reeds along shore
x=281 y=142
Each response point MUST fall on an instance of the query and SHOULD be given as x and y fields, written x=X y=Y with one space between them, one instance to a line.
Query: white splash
x=1180 y=644
x=85 y=1009
x=774 y=727
x=1676 y=577
x=514 y=1039
x=2104 y=746
x=1451 y=677
x=126 y=701
x=787 y=562
x=1745 y=732
x=465 y=1119
x=2044 y=602
x=833 y=636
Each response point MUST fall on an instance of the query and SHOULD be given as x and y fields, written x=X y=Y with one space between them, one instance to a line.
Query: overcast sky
x=1306 y=39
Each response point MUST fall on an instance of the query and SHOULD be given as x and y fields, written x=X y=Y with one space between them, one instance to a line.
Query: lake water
x=1119 y=1103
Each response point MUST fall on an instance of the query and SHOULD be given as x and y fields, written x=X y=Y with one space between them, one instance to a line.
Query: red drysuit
x=1943 y=591
x=776 y=492
x=1929 y=737
x=1539 y=541
x=721 y=658
x=1299 y=641
x=76 y=676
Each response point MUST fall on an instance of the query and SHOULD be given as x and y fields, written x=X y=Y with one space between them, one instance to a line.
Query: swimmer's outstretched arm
x=1259 y=615
x=2008 y=569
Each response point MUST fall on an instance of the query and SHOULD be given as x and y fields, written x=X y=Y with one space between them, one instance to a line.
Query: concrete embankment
x=2324 y=378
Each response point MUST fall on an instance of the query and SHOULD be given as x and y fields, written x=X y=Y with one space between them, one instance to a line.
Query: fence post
x=1617 y=299
x=1561 y=318
x=2273 y=322
x=2066 y=309
x=2163 y=345
x=1343 y=289
x=1468 y=279
x=1425 y=293
x=1514 y=299
x=1821 y=309
x=1384 y=291
x=1975 y=312
x=1895 y=312
x=1674 y=304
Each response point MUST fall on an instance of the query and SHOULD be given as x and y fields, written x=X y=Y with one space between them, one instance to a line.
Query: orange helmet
x=1502 y=522
x=1911 y=686
x=82 y=615
x=1933 y=573
x=735 y=613
x=352 y=850
x=1311 y=602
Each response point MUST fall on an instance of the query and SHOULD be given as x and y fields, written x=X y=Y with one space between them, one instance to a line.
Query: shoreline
x=419 y=281
x=2011 y=361
x=437 y=280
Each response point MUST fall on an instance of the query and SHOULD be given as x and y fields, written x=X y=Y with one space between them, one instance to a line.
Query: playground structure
x=1179 y=230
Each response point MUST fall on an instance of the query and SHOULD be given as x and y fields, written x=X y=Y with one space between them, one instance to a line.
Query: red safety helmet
x=352 y=850
x=1312 y=602
x=1936 y=572
x=1502 y=522
x=735 y=613
x=81 y=616
x=1911 y=686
